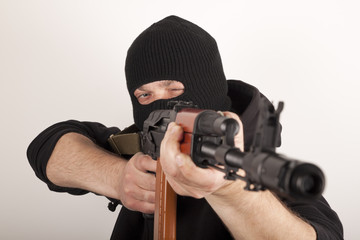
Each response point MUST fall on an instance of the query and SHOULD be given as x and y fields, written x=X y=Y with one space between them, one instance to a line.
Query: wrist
x=108 y=179
x=77 y=162
x=233 y=195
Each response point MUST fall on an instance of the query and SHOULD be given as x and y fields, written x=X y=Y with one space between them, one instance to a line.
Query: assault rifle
x=209 y=140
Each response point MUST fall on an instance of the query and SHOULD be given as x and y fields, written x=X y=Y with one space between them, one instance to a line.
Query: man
x=175 y=59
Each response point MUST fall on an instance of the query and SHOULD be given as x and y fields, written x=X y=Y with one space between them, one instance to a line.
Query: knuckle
x=128 y=178
x=150 y=208
x=131 y=205
x=143 y=161
x=127 y=191
x=150 y=198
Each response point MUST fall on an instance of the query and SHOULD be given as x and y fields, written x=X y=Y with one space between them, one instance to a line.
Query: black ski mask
x=176 y=49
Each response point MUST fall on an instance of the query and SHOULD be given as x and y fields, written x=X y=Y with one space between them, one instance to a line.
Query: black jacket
x=195 y=217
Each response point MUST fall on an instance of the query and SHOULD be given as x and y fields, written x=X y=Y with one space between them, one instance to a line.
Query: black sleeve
x=40 y=149
x=320 y=215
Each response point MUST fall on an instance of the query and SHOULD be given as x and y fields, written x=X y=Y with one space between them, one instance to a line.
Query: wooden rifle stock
x=165 y=197
x=165 y=207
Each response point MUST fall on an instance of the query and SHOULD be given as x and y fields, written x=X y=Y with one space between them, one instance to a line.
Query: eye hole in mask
x=162 y=89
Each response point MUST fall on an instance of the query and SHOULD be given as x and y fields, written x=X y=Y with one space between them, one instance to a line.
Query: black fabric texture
x=320 y=215
x=176 y=49
x=40 y=149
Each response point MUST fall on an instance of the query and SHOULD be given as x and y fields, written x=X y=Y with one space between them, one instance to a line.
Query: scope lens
x=307 y=184
x=307 y=180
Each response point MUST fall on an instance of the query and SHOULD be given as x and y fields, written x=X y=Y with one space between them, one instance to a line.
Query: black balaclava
x=176 y=49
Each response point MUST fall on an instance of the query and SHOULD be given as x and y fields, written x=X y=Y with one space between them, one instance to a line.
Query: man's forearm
x=77 y=162
x=257 y=215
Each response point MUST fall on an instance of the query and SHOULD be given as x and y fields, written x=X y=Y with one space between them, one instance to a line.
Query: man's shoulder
x=244 y=97
x=240 y=85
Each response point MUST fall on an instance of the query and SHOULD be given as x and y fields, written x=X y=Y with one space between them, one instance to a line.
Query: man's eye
x=144 y=95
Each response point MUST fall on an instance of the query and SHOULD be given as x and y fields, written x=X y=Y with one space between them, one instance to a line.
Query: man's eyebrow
x=167 y=83
x=141 y=88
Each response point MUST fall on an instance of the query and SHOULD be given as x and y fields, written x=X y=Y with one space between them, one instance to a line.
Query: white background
x=64 y=60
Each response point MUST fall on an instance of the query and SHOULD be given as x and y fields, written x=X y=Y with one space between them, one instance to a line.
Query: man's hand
x=137 y=185
x=77 y=162
x=182 y=174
